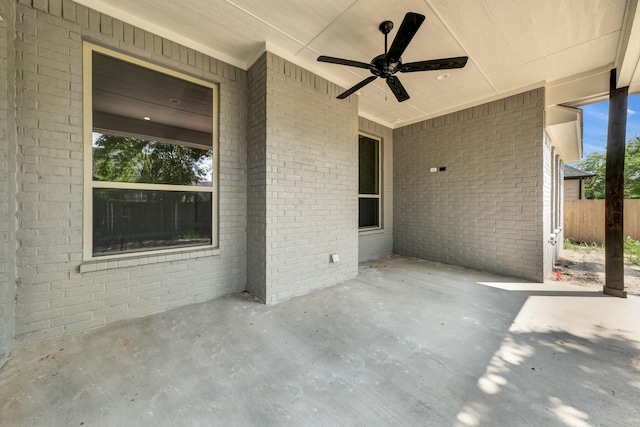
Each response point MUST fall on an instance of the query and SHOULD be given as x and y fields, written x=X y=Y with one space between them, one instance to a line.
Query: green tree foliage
x=632 y=169
x=122 y=159
x=595 y=163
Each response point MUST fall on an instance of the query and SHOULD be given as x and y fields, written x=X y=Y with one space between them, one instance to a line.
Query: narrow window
x=369 y=185
x=150 y=157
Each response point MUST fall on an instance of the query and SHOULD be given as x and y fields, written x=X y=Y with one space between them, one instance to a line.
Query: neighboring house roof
x=574 y=173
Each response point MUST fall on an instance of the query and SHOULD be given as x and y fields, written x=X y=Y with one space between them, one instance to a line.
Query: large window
x=369 y=186
x=150 y=157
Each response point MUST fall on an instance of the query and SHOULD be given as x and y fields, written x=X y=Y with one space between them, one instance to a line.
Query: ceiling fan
x=390 y=62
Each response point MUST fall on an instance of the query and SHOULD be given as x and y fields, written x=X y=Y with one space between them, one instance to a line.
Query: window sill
x=103 y=264
x=366 y=232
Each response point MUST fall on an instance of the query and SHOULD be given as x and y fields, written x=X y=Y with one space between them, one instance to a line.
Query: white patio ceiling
x=513 y=45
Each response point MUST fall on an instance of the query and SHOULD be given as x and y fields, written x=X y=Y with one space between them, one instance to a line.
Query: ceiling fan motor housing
x=383 y=68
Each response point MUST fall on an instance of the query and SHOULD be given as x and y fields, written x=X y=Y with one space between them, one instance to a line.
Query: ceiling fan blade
x=356 y=87
x=341 y=61
x=434 y=64
x=398 y=90
x=408 y=29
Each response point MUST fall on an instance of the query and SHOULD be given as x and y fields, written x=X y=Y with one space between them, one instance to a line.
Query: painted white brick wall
x=486 y=210
x=547 y=200
x=378 y=243
x=53 y=296
x=560 y=239
x=311 y=178
x=257 y=179
x=7 y=171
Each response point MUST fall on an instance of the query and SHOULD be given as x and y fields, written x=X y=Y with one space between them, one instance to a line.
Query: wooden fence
x=584 y=220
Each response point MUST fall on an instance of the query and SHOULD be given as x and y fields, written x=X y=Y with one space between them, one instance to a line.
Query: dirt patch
x=586 y=268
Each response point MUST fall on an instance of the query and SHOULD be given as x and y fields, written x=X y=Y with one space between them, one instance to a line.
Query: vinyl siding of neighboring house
x=574 y=182
x=573 y=189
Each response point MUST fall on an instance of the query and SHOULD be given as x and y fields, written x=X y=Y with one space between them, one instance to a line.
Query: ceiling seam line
x=326 y=27
x=561 y=50
x=446 y=25
x=264 y=22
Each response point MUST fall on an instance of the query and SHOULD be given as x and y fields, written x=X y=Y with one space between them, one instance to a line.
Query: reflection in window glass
x=152 y=157
x=138 y=101
x=369 y=183
x=368 y=213
x=139 y=220
x=123 y=159
x=369 y=161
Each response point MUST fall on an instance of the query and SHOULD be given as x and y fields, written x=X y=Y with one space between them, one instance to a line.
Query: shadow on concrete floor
x=408 y=342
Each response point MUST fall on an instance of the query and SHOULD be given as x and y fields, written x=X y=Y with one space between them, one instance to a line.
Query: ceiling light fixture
x=147 y=118
x=443 y=76
x=174 y=100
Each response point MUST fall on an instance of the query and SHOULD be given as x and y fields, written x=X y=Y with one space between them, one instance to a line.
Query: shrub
x=581 y=246
x=632 y=250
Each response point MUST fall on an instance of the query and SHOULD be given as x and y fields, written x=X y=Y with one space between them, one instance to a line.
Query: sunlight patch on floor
x=538 y=287
x=568 y=415
x=562 y=323
x=493 y=381
x=471 y=415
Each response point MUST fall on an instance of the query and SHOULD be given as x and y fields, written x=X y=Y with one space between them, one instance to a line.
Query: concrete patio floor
x=408 y=343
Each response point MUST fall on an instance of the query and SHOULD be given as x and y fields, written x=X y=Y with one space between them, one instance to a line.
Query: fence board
x=584 y=220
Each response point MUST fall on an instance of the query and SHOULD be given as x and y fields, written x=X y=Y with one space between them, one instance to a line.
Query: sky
x=595 y=121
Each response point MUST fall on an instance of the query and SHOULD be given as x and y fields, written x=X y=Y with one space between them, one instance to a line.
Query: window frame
x=378 y=196
x=90 y=184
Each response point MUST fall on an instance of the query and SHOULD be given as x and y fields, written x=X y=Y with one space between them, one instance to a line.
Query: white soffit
x=564 y=126
x=581 y=89
x=512 y=45
x=629 y=48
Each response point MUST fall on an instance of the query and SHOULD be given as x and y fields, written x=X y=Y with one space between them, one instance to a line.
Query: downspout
x=580 y=189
